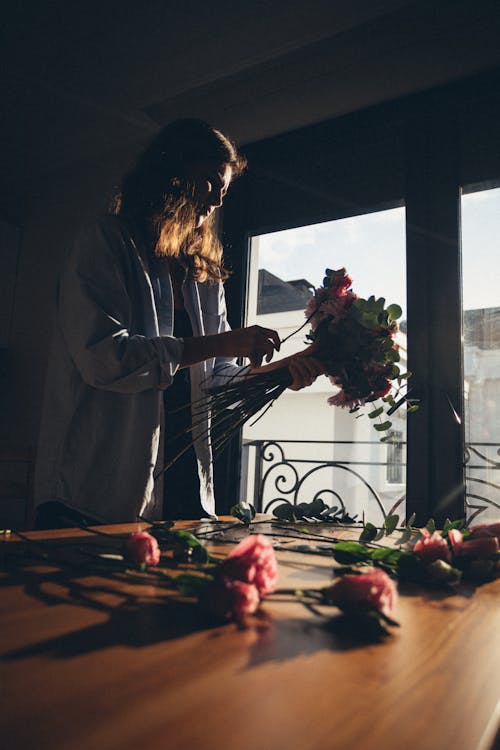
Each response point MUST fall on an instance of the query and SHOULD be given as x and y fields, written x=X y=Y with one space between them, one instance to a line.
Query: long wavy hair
x=156 y=194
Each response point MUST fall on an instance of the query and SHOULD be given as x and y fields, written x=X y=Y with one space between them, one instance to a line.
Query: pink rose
x=456 y=540
x=253 y=561
x=432 y=547
x=373 y=588
x=336 y=307
x=344 y=400
x=141 y=547
x=230 y=598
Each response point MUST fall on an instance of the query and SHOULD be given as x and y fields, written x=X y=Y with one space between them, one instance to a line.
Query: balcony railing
x=356 y=483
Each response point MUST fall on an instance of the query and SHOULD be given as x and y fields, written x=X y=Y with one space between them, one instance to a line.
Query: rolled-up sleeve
x=98 y=319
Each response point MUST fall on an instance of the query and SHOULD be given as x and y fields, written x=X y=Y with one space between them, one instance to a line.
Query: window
x=318 y=450
x=481 y=340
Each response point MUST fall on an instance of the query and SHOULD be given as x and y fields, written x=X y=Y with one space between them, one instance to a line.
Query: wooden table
x=94 y=664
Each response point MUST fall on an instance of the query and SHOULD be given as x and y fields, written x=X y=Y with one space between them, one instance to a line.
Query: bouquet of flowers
x=353 y=337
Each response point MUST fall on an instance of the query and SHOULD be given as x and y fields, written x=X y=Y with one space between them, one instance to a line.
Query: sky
x=372 y=249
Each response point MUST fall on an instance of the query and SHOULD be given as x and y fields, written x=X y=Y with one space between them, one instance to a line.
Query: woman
x=140 y=307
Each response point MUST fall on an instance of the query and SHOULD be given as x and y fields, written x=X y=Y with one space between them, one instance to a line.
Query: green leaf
x=412 y=408
x=347 y=553
x=405 y=537
x=430 y=526
x=394 y=311
x=383 y=426
x=199 y=555
x=405 y=375
x=411 y=520
x=376 y=412
x=369 y=533
x=244 y=512
x=449 y=525
x=285 y=512
x=387 y=555
x=187 y=539
x=390 y=524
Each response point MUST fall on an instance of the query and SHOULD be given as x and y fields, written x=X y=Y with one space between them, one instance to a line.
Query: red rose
x=382 y=389
x=484 y=546
x=481 y=543
x=432 y=547
x=373 y=588
x=485 y=529
x=230 y=598
x=141 y=547
x=339 y=283
x=253 y=561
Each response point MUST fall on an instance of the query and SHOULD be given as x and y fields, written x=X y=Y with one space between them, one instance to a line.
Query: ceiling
x=81 y=80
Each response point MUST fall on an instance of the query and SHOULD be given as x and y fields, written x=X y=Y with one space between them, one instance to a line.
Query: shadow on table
x=283 y=639
x=134 y=620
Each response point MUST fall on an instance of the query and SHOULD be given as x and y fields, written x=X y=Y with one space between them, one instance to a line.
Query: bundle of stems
x=230 y=406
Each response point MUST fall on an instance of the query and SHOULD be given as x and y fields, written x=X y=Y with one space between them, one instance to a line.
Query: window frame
x=416 y=152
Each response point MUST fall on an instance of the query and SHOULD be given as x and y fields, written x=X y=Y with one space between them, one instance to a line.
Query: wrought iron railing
x=482 y=494
x=279 y=477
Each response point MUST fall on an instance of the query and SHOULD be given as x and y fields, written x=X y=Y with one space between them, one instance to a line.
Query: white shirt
x=112 y=355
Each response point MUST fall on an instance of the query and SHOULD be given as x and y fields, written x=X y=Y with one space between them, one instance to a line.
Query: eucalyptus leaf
x=405 y=537
x=244 y=512
x=369 y=533
x=285 y=512
x=376 y=412
x=394 y=311
x=411 y=520
x=383 y=426
x=390 y=523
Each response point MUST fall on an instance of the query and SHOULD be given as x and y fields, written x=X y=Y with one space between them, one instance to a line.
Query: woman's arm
x=254 y=342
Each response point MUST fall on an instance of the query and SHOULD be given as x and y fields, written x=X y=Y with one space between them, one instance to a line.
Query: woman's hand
x=254 y=342
x=304 y=370
x=304 y=367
